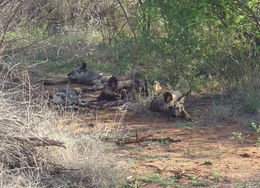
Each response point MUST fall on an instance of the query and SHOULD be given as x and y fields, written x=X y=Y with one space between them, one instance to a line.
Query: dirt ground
x=204 y=154
x=208 y=156
x=200 y=153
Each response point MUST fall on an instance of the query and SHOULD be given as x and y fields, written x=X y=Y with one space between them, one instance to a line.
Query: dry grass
x=38 y=150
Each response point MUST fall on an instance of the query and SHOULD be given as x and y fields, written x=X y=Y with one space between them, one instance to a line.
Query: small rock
x=244 y=155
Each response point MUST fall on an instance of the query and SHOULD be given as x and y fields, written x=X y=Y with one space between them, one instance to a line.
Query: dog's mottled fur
x=171 y=103
x=65 y=97
x=87 y=77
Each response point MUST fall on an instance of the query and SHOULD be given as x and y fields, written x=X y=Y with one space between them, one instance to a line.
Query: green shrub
x=253 y=100
x=257 y=128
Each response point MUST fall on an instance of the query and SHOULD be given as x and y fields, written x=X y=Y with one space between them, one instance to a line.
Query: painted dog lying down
x=170 y=103
x=65 y=97
x=72 y=98
x=115 y=89
x=87 y=77
x=82 y=76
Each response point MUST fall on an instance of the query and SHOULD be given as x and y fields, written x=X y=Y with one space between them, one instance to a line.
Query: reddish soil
x=202 y=152
x=207 y=155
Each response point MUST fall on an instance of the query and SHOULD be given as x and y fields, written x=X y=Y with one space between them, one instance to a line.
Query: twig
x=126 y=17
x=131 y=141
x=159 y=139
x=8 y=23
x=157 y=168
x=34 y=141
x=125 y=141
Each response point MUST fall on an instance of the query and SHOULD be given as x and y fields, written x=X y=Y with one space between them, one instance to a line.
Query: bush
x=253 y=100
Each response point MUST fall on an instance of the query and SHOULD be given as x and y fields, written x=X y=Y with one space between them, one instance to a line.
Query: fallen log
x=124 y=141
x=163 y=139
x=34 y=141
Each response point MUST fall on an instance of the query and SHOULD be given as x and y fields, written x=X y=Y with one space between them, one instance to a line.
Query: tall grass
x=38 y=148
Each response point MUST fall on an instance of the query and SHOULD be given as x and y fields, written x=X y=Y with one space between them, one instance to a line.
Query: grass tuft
x=38 y=148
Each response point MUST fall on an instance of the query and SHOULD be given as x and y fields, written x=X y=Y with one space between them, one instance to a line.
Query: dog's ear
x=188 y=93
x=167 y=97
x=83 y=66
x=181 y=99
x=113 y=83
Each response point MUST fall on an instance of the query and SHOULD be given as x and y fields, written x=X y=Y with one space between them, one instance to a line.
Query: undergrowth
x=38 y=150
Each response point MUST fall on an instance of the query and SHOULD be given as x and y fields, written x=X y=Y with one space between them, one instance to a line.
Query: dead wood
x=163 y=139
x=20 y=153
x=136 y=135
x=131 y=141
x=124 y=141
x=158 y=170
x=34 y=141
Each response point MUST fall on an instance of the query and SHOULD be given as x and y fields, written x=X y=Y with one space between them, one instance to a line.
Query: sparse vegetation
x=257 y=128
x=216 y=176
x=167 y=183
x=199 y=183
x=210 y=47
x=220 y=112
x=238 y=136
x=151 y=178
x=161 y=180
x=253 y=100
x=208 y=162
x=38 y=150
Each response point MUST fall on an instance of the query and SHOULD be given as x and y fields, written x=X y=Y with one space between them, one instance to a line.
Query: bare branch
x=8 y=22
x=34 y=141
x=126 y=17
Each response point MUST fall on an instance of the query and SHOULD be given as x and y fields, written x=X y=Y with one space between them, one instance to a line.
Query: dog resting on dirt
x=115 y=90
x=170 y=103
x=65 y=97
x=83 y=76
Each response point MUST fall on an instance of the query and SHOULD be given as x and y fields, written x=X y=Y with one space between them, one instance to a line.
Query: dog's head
x=174 y=106
x=109 y=91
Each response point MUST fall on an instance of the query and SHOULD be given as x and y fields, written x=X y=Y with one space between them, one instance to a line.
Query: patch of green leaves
x=208 y=162
x=199 y=183
x=155 y=177
x=216 y=176
x=257 y=128
x=238 y=136
x=253 y=100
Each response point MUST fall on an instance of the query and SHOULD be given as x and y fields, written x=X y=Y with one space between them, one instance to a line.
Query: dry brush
x=38 y=150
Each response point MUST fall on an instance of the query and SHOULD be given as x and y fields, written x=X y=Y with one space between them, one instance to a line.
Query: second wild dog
x=115 y=89
x=171 y=103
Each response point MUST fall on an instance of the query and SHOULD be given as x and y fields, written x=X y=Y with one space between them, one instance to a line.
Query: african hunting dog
x=87 y=77
x=115 y=90
x=170 y=103
x=65 y=97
